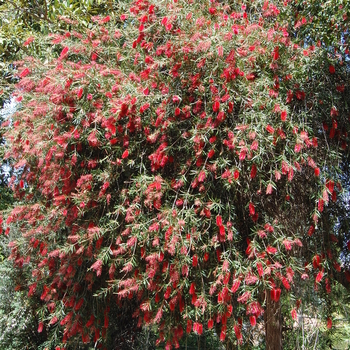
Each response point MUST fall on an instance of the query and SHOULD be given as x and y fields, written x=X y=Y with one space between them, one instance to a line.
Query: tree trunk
x=273 y=324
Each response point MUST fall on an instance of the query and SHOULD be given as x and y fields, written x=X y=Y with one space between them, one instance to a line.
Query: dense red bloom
x=138 y=134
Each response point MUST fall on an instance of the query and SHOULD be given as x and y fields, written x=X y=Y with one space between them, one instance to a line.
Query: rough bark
x=273 y=324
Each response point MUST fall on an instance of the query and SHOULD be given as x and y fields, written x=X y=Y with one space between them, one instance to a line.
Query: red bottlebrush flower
x=252 y=320
x=97 y=267
x=276 y=53
x=212 y=139
x=94 y=56
x=251 y=209
x=244 y=297
x=211 y=153
x=269 y=189
x=320 y=205
x=125 y=154
x=238 y=333
x=285 y=283
x=317 y=172
x=287 y=244
x=189 y=326
x=206 y=256
x=330 y=185
x=250 y=76
x=198 y=328
x=236 y=174
x=157 y=298
x=329 y=323
x=254 y=146
x=192 y=288
x=219 y=220
x=235 y=285
x=253 y=171
x=294 y=314
x=194 y=260
x=283 y=116
x=79 y=304
x=275 y=294
x=80 y=93
x=123 y=110
x=85 y=338
x=218 y=254
x=220 y=51
x=91 y=321
x=319 y=276
x=210 y=324
x=64 y=53
x=40 y=327
x=28 y=41
x=167 y=292
x=300 y=95
x=242 y=154
x=316 y=261
x=297 y=148
x=92 y=139
x=216 y=106
x=24 y=73
x=105 y=19
x=331 y=69
x=201 y=176
x=268 y=227
x=271 y=250
x=340 y=88
x=270 y=129
x=221 y=233
x=260 y=269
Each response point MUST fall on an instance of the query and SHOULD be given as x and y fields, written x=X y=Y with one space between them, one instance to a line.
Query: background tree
x=180 y=161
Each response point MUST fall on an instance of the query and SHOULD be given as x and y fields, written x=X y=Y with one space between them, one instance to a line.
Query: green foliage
x=18 y=320
x=22 y=21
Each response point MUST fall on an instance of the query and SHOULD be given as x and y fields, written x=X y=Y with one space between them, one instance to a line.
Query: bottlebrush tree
x=183 y=159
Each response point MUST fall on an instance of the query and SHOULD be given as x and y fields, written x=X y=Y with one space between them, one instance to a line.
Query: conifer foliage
x=179 y=158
